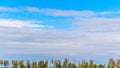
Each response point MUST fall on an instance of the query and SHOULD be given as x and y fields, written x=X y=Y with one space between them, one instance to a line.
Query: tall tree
x=46 y=64
x=1 y=62
x=91 y=63
x=66 y=62
x=111 y=63
x=27 y=64
x=14 y=64
x=34 y=64
x=57 y=64
x=6 y=63
x=53 y=65
x=21 y=64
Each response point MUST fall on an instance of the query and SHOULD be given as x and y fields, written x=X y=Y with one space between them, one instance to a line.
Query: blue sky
x=58 y=29
x=66 y=4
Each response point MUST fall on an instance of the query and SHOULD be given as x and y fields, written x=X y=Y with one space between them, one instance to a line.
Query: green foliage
x=14 y=64
x=6 y=63
x=27 y=64
x=21 y=64
x=1 y=62
x=61 y=64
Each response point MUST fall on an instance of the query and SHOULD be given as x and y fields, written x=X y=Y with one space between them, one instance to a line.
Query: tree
x=1 y=62
x=34 y=64
x=83 y=64
x=53 y=65
x=100 y=66
x=21 y=64
x=6 y=63
x=91 y=63
x=57 y=64
x=27 y=64
x=117 y=64
x=46 y=64
x=40 y=64
x=14 y=64
x=111 y=63
x=66 y=63
x=71 y=65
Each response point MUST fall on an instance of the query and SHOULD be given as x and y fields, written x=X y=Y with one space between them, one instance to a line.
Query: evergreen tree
x=27 y=64
x=34 y=64
x=1 y=62
x=21 y=64
x=6 y=63
x=111 y=63
x=14 y=64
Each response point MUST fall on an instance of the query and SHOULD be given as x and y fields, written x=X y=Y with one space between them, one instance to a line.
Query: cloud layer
x=93 y=33
x=72 y=43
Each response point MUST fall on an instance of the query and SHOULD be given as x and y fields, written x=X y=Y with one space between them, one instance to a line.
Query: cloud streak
x=18 y=23
x=58 y=12
x=2 y=8
x=99 y=24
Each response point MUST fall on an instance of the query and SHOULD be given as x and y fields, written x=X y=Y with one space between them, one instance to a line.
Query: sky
x=46 y=29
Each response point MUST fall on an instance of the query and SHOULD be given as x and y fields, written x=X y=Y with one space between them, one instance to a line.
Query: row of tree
x=58 y=64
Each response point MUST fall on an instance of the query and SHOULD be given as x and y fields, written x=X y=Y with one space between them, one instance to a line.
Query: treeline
x=59 y=64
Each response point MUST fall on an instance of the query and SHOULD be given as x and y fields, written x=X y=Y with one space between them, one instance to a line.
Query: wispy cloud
x=2 y=8
x=66 y=13
x=99 y=24
x=70 y=13
x=18 y=23
x=32 y=9
x=85 y=20
x=58 y=12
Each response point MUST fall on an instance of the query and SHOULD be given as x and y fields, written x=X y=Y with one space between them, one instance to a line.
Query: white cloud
x=32 y=9
x=18 y=23
x=71 y=13
x=66 y=13
x=2 y=8
x=98 y=24
x=58 y=12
